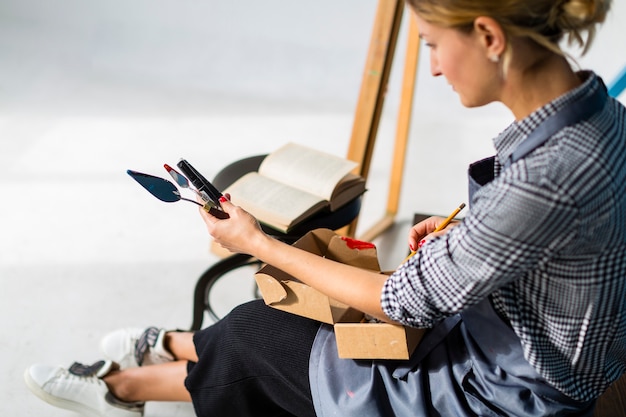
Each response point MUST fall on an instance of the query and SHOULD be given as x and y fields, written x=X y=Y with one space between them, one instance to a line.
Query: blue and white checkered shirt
x=547 y=239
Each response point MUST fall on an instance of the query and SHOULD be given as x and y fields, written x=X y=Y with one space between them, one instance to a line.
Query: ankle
x=121 y=385
x=167 y=344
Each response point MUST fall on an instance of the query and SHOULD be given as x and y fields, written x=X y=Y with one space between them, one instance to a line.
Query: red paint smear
x=357 y=244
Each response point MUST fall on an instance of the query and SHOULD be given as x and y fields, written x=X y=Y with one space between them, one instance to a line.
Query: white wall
x=270 y=50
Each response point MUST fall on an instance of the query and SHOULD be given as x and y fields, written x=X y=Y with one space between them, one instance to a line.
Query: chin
x=472 y=102
x=467 y=103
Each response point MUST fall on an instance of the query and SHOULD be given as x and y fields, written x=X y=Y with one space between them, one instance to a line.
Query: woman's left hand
x=425 y=230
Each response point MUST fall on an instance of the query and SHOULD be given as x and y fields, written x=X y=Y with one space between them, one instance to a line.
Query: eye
x=427 y=44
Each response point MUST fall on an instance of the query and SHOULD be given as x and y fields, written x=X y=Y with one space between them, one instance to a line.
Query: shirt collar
x=506 y=142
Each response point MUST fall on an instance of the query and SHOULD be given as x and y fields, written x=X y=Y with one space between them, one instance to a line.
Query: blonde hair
x=546 y=22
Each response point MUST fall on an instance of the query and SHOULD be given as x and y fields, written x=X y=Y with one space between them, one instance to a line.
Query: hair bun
x=579 y=14
x=574 y=17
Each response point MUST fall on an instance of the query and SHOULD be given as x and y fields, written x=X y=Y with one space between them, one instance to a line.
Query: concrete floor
x=89 y=89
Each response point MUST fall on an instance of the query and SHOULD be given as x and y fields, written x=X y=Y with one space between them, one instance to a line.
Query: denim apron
x=470 y=364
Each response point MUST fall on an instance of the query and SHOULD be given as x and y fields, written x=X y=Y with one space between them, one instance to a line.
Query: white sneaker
x=80 y=389
x=132 y=347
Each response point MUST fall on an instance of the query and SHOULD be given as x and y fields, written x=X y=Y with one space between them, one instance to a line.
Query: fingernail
x=223 y=199
x=412 y=247
x=421 y=243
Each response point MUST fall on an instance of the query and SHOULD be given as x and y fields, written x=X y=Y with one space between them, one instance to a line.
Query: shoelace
x=146 y=341
x=81 y=370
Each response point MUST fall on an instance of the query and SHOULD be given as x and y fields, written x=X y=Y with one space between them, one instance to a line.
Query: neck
x=538 y=82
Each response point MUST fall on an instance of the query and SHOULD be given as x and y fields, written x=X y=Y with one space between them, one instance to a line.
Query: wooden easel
x=370 y=104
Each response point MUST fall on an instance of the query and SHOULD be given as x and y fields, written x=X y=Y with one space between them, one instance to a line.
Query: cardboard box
x=284 y=292
x=376 y=340
x=355 y=339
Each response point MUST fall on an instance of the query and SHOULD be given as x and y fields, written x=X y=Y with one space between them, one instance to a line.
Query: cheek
x=464 y=77
x=460 y=68
x=450 y=66
x=457 y=61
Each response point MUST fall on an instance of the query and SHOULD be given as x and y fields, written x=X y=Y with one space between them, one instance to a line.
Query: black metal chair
x=330 y=220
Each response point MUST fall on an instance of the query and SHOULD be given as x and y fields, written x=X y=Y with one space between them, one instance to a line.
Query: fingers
x=233 y=232
x=225 y=201
x=419 y=231
x=425 y=231
x=215 y=213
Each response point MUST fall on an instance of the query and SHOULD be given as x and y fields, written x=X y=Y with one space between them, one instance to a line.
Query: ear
x=490 y=35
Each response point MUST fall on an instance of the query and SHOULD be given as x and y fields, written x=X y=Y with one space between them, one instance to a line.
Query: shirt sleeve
x=513 y=223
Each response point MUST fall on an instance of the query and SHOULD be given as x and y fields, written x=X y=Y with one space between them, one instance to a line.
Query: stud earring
x=495 y=58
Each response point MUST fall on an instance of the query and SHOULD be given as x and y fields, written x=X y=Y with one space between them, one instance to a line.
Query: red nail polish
x=412 y=247
x=421 y=243
x=223 y=199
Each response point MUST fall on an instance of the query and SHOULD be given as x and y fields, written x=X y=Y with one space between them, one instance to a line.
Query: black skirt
x=253 y=362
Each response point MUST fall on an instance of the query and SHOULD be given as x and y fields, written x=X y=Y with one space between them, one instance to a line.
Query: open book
x=295 y=182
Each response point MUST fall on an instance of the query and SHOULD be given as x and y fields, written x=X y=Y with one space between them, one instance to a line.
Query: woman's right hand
x=239 y=233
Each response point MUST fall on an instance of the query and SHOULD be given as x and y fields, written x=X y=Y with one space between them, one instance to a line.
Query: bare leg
x=163 y=382
x=180 y=344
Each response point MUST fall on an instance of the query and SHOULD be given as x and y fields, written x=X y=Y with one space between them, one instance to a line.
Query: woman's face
x=463 y=60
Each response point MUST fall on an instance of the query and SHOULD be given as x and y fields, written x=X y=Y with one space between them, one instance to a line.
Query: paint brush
x=181 y=180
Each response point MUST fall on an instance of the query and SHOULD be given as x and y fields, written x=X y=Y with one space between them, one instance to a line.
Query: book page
x=269 y=201
x=305 y=168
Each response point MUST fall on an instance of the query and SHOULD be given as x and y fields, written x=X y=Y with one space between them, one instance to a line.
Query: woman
x=524 y=297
